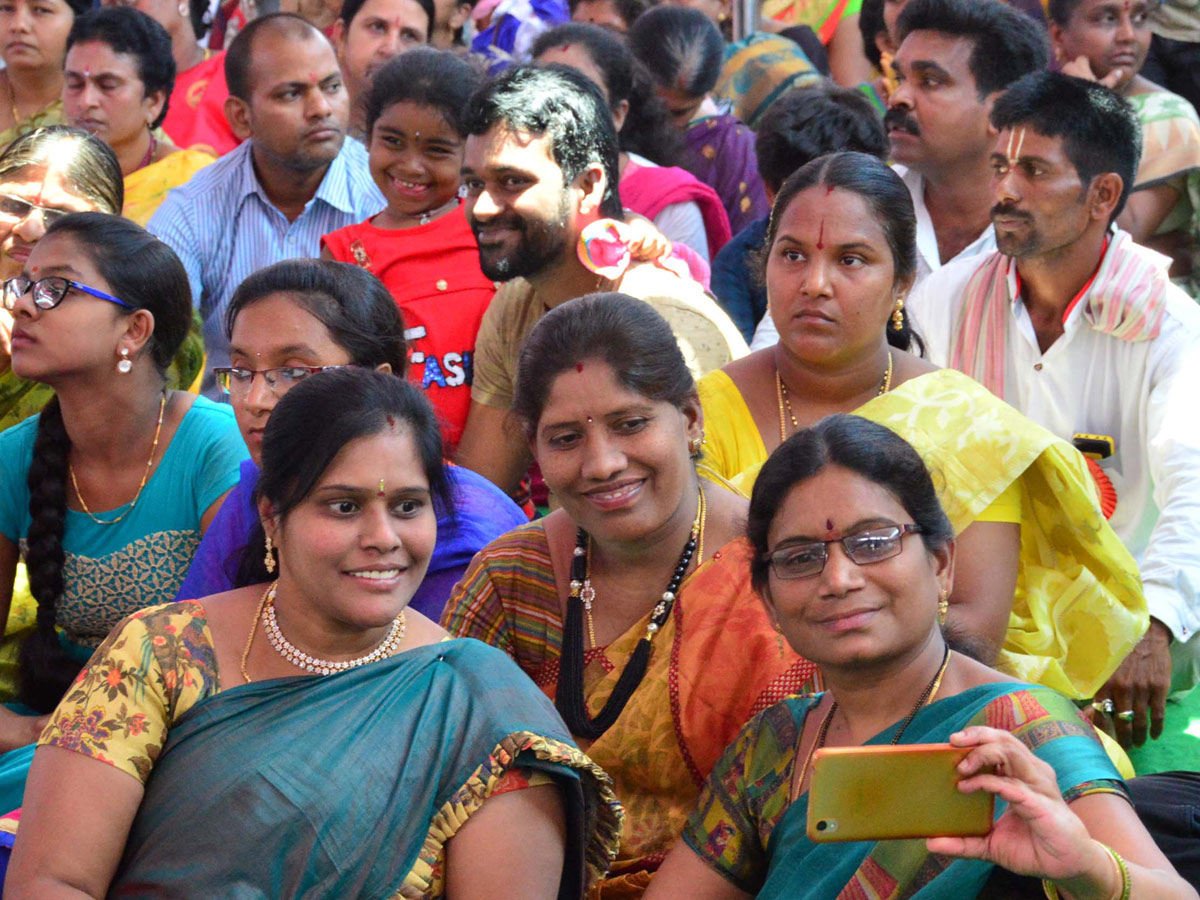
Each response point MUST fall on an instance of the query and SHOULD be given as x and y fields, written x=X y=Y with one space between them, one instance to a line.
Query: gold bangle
x=1122 y=872
x=1124 y=890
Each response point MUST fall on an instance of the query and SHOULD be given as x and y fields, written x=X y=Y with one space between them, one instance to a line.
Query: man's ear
x=337 y=37
x=592 y=183
x=237 y=113
x=1105 y=194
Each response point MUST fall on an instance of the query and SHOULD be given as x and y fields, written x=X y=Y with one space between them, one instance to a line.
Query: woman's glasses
x=236 y=380
x=15 y=208
x=866 y=547
x=48 y=292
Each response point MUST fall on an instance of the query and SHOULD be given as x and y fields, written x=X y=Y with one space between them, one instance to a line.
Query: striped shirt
x=223 y=227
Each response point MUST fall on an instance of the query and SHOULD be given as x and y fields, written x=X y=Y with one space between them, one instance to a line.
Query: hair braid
x=45 y=669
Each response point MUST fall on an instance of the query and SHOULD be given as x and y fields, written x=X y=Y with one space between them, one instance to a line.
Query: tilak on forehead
x=821 y=236
x=381 y=490
x=1014 y=156
x=829 y=525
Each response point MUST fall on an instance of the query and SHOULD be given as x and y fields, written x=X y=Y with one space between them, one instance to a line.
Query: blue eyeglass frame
x=31 y=285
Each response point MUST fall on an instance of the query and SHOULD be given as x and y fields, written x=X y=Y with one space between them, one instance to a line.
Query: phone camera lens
x=822 y=825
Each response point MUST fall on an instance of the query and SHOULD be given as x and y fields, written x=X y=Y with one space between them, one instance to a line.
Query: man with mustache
x=294 y=178
x=955 y=58
x=540 y=166
x=1081 y=329
x=366 y=35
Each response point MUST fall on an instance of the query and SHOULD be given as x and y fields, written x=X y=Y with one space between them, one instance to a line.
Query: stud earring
x=943 y=606
x=269 y=558
x=125 y=365
x=898 y=315
x=694 y=445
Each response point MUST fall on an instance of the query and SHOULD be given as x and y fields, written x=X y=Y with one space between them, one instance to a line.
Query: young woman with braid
x=106 y=492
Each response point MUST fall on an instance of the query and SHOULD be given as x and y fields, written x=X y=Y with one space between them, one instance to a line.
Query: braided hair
x=147 y=274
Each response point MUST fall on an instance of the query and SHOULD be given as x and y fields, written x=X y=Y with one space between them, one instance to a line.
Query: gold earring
x=269 y=558
x=694 y=445
x=779 y=638
x=943 y=606
x=898 y=315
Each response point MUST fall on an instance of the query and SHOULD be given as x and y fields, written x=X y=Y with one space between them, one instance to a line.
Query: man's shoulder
x=951 y=278
x=1183 y=313
x=211 y=185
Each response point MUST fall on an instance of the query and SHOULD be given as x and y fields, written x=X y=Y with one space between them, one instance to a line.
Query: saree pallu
x=713 y=665
x=720 y=152
x=758 y=70
x=349 y=785
x=745 y=828
x=1078 y=608
x=1171 y=155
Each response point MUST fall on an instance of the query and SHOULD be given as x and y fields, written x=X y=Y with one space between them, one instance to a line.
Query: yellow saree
x=147 y=188
x=1078 y=608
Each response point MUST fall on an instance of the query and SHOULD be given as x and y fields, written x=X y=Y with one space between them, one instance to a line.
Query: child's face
x=415 y=158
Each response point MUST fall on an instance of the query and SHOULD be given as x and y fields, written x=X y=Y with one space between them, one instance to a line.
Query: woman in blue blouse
x=106 y=493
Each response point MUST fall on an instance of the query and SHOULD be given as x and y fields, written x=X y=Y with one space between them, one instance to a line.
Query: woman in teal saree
x=854 y=559
x=202 y=753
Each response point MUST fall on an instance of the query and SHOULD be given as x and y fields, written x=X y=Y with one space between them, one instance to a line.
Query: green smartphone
x=885 y=793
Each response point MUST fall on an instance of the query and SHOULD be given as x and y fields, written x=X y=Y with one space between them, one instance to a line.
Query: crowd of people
x=501 y=448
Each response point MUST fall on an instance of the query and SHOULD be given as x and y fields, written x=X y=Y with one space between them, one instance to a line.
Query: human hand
x=1038 y=834
x=1142 y=681
x=1080 y=67
x=645 y=242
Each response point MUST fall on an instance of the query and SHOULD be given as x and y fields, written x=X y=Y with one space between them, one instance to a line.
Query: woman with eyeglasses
x=285 y=323
x=1045 y=589
x=45 y=175
x=106 y=493
x=853 y=558
x=630 y=606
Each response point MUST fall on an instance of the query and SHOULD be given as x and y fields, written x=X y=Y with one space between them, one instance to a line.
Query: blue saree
x=747 y=831
x=349 y=785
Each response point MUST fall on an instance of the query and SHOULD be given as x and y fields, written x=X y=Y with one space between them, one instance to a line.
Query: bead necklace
x=300 y=659
x=162 y=408
x=569 y=699
x=926 y=698
x=781 y=392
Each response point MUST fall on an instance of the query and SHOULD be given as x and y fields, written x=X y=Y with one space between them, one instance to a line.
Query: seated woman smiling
x=854 y=559
x=222 y=737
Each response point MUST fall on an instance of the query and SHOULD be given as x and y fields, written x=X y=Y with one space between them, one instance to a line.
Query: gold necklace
x=162 y=407
x=927 y=697
x=12 y=102
x=253 y=628
x=785 y=402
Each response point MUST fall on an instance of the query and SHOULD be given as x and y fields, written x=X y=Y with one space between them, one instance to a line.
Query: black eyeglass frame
x=775 y=556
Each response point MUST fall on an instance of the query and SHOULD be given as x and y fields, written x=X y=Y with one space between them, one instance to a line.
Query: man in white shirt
x=1081 y=330
x=954 y=60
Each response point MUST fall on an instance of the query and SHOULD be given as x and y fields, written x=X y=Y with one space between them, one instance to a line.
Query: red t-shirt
x=433 y=273
x=196 y=114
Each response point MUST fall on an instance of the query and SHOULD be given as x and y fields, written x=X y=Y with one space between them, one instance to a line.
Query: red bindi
x=828 y=190
x=829 y=524
x=579 y=368
x=821 y=237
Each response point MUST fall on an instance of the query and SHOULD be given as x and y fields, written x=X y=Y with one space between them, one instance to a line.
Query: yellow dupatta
x=1078 y=608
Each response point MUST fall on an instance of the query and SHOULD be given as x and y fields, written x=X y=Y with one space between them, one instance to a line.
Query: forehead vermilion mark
x=391 y=422
x=821 y=236
x=829 y=525
x=828 y=189
x=579 y=368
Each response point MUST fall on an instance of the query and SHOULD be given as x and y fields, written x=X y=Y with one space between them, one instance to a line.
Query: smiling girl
x=420 y=246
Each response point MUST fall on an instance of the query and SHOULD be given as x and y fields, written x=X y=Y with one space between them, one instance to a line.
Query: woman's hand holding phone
x=1038 y=834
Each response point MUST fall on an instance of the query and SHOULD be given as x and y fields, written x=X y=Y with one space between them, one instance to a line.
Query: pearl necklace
x=302 y=660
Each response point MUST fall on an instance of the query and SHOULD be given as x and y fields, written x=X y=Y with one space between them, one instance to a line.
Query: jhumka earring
x=943 y=606
x=125 y=366
x=779 y=638
x=898 y=315
x=269 y=558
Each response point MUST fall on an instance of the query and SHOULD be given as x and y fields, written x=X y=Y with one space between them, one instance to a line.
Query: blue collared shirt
x=223 y=228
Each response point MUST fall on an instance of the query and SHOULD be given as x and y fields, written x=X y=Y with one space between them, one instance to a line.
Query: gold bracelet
x=1124 y=890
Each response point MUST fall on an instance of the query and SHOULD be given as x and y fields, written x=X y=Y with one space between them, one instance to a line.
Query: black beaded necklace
x=569 y=699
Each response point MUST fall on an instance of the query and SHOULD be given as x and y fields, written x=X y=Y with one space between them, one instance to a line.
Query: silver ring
x=1105 y=706
x=1126 y=716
